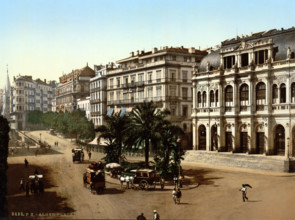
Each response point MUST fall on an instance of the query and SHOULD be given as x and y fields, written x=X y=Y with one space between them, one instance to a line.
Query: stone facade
x=161 y=75
x=84 y=105
x=29 y=95
x=244 y=96
x=71 y=87
x=98 y=94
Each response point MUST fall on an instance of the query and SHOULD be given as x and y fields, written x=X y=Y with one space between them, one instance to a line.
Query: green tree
x=145 y=127
x=4 y=140
x=113 y=132
x=35 y=117
x=169 y=154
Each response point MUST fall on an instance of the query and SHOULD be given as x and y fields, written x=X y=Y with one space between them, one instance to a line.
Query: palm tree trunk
x=147 y=146
x=4 y=139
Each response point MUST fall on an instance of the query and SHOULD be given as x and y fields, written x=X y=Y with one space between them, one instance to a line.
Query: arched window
x=204 y=99
x=283 y=93
x=274 y=94
x=199 y=99
x=216 y=98
x=260 y=95
x=244 y=94
x=244 y=97
x=212 y=98
x=293 y=92
x=229 y=96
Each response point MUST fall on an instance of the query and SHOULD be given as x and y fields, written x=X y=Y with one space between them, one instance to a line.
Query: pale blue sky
x=45 y=38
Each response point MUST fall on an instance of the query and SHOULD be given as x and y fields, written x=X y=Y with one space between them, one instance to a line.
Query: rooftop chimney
x=155 y=50
x=191 y=50
x=132 y=54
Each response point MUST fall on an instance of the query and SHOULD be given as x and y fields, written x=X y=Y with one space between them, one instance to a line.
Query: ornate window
x=260 y=95
x=283 y=93
x=204 y=99
x=229 y=96
x=212 y=98
x=199 y=99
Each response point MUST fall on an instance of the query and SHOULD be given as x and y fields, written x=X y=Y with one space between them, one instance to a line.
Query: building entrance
x=244 y=142
x=202 y=137
x=280 y=140
x=259 y=142
x=228 y=142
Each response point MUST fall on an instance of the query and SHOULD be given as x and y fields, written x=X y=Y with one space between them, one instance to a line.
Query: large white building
x=161 y=75
x=244 y=96
x=98 y=94
x=29 y=95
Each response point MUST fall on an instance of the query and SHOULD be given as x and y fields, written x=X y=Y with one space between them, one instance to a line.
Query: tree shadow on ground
x=20 y=152
x=113 y=191
x=198 y=176
x=46 y=202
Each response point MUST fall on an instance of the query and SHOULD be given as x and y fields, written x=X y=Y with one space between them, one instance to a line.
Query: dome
x=214 y=61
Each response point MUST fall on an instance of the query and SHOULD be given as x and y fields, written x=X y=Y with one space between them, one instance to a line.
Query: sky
x=48 y=38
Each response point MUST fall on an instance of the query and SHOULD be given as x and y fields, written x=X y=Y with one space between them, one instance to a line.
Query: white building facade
x=29 y=95
x=84 y=105
x=161 y=75
x=244 y=96
x=98 y=94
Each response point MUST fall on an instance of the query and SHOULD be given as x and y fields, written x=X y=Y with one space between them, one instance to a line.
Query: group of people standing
x=156 y=216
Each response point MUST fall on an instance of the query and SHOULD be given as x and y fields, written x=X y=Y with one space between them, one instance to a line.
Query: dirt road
x=216 y=197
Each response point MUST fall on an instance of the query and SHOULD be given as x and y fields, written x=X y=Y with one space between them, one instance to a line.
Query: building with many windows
x=244 y=96
x=71 y=87
x=161 y=75
x=29 y=95
x=98 y=94
x=84 y=105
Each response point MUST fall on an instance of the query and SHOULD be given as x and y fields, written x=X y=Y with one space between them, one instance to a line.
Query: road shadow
x=46 y=202
x=254 y=201
x=184 y=203
x=198 y=176
x=20 y=152
x=113 y=191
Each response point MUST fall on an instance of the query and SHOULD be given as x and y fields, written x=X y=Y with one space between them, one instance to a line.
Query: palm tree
x=169 y=154
x=4 y=139
x=145 y=126
x=113 y=132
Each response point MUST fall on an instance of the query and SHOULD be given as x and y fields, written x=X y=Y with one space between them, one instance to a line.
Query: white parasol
x=113 y=165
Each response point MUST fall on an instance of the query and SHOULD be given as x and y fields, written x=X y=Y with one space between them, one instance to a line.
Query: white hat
x=155 y=210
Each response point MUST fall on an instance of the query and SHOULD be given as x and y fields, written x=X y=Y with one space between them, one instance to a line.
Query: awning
x=123 y=111
x=110 y=112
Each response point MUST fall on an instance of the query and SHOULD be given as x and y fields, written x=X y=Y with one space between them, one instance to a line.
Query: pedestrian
x=180 y=181
x=174 y=195
x=122 y=179
x=26 y=162
x=156 y=215
x=162 y=182
x=36 y=172
x=27 y=188
x=141 y=217
x=89 y=155
x=57 y=143
x=244 y=192
x=22 y=184
x=127 y=181
x=178 y=195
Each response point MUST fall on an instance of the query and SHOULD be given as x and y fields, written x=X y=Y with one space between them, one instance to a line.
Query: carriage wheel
x=143 y=184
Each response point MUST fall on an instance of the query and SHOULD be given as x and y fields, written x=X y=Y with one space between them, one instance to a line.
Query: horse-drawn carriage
x=94 y=177
x=146 y=178
x=78 y=154
x=36 y=183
